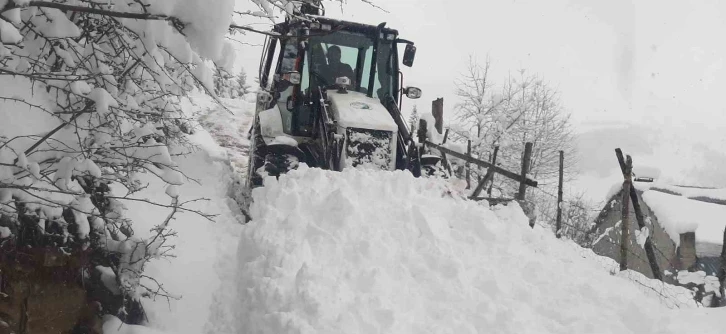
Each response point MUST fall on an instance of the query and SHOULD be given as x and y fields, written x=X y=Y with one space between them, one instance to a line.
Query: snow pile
x=205 y=251
x=383 y=252
x=678 y=214
x=710 y=283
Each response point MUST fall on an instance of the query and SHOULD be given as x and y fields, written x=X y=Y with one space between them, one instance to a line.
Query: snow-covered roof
x=679 y=213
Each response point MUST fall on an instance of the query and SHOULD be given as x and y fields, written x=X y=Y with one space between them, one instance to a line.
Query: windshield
x=350 y=54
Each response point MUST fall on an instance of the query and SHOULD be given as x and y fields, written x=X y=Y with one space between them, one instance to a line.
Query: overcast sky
x=652 y=61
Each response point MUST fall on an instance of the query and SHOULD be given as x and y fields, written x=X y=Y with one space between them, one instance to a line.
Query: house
x=686 y=226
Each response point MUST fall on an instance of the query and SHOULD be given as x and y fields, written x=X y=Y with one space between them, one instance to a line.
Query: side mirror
x=409 y=55
x=412 y=92
x=264 y=97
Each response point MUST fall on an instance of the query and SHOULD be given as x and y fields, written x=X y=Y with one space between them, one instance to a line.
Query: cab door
x=269 y=57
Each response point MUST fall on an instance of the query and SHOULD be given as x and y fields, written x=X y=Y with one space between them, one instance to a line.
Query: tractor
x=330 y=96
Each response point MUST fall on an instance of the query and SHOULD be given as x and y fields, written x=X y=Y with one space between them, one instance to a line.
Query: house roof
x=687 y=209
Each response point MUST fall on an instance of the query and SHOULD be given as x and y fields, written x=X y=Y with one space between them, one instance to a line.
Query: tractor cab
x=303 y=65
x=333 y=90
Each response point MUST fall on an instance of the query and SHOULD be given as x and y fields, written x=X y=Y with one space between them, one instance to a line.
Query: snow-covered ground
x=383 y=252
x=328 y=253
x=377 y=252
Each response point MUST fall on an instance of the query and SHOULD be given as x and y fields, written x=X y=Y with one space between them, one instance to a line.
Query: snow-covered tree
x=243 y=87
x=521 y=108
x=90 y=100
x=225 y=85
x=414 y=119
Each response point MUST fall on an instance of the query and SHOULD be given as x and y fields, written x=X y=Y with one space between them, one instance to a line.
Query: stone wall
x=42 y=293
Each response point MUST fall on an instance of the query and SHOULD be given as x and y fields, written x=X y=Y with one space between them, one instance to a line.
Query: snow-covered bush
x=242 y=87
x=225 y=84
x=230 y=86
x=99 y=85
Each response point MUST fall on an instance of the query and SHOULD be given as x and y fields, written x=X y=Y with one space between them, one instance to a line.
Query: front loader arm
x=331 y=141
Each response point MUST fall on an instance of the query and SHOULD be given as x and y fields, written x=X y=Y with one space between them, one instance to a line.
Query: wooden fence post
x=648 y=246
x=468 y=165
x=488 y=177
x=525 y=169
x=558 y=226
x=722 y=271
x=625 y=214
x=444 y=160
x=494 y=163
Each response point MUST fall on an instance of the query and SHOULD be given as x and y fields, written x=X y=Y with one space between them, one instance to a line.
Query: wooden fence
x=491 y=167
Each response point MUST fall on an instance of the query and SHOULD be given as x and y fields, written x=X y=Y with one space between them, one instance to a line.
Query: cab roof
x=352 y=26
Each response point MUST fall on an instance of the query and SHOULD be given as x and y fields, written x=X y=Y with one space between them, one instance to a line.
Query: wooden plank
x=511 y=175
x=625 y=215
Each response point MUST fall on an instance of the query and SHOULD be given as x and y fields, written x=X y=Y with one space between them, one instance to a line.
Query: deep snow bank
x=205 y=251
x=382 y=252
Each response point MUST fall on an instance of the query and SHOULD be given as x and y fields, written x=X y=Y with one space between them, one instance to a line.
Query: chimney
x=686 y=252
